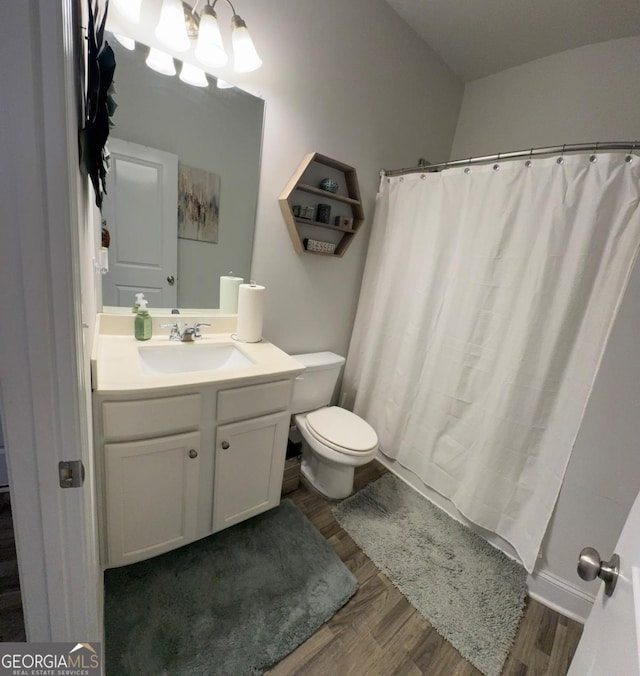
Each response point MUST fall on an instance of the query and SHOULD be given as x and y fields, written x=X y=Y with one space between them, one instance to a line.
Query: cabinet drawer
x=253 y=400
x=150 y=417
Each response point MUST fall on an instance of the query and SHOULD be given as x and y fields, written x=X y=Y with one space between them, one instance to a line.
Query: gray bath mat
x=233 y=603
x=470 y=592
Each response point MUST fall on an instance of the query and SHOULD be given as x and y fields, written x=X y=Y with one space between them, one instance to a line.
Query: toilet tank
x=314 y=387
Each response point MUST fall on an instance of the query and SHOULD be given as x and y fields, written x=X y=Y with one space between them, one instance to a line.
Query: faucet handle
x=197 y=326
x=175 y=330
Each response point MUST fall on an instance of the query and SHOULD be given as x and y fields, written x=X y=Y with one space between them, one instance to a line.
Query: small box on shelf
x=302 y=211
x=343 y=222
x=319 y=246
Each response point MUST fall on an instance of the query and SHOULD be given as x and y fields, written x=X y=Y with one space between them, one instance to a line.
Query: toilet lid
x=340 y=428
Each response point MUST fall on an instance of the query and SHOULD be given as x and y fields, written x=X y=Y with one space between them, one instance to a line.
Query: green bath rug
x=233 y=603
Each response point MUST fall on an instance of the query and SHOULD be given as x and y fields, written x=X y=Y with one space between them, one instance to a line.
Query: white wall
x=582 y=95
x=351 y=81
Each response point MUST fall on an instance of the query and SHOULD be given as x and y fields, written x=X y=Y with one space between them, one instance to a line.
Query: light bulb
x=245 y=56
x=161 y=62
x=193 y=75
x=130 y=9
x=223 y=84
x=209 y=48
x=171 y=29
x=127 y=43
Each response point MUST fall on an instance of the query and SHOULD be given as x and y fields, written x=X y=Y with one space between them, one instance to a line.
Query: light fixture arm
x=233 y=9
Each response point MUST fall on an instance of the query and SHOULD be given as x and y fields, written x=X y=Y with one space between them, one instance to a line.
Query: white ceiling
x=480 y=37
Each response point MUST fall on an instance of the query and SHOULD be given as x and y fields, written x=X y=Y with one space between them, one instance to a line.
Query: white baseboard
x=543 y=586
x=560 y=595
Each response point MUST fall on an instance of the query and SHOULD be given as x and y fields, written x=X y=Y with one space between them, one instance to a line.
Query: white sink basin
x=187 y=357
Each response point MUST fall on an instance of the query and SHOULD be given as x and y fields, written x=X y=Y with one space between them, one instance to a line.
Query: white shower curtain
x=487 y=299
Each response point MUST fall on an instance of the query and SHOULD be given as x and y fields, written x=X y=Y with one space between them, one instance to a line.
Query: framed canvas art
x=198 y=204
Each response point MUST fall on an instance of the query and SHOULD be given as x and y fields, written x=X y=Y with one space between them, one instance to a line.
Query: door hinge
x=71 y=473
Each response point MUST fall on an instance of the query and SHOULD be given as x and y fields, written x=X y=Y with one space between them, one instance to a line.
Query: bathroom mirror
x=212 y=133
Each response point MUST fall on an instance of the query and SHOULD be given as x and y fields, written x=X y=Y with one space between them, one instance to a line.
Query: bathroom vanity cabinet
x=176 y=466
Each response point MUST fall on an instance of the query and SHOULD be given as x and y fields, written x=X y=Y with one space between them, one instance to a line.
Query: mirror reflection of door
x=141 y=214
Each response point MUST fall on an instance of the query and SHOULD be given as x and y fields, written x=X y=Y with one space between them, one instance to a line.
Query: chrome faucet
x=188 y=335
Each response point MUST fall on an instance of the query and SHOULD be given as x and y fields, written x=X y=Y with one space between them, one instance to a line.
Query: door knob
x=193 y=453
x=591 y=566
x=171 y=279
x=225 y=445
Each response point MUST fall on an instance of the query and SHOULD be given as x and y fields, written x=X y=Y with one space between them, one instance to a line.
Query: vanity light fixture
x=245 y=56
x=193 y=75
x=171 y=29
x=161 y=62
x=179 y=23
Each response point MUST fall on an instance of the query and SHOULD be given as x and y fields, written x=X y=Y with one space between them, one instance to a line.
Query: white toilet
x=334 y=440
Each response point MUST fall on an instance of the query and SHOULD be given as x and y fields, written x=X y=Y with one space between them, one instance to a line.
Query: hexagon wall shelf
x=320 y=221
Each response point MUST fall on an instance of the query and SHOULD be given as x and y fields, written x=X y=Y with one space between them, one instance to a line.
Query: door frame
x=44 y=384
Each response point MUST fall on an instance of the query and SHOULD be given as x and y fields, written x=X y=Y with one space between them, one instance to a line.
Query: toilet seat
x=342 y=430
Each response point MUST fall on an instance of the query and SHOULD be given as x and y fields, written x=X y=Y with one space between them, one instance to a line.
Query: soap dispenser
x=142 y=323
x=136 y=305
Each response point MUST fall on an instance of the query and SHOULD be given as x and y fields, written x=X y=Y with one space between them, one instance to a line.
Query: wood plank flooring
x=378 y=633
x=11 y=619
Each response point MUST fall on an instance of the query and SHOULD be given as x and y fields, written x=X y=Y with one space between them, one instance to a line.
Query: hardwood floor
x=11 y=619
x=378 y=633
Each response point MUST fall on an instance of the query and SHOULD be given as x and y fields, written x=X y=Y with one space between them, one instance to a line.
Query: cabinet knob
x=193 y=453
x=225 y=445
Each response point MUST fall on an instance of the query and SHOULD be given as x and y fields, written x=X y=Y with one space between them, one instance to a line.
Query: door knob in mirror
x=590 y=566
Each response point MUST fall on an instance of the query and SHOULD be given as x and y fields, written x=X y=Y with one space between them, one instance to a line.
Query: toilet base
x=333 y=481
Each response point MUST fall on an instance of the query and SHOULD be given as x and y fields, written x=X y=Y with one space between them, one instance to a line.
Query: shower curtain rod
x=531 y=152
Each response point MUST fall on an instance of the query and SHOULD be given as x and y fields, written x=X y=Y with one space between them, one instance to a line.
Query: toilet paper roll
x=229 y=286
x=103 y=260
x=250 y=313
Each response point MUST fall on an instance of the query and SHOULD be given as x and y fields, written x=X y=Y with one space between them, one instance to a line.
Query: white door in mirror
x=140 y=210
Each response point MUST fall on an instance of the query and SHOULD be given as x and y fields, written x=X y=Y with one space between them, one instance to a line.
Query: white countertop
x=116 y=366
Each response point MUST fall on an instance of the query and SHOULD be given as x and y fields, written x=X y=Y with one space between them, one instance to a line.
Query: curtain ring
x=496 y=166
x=629 y=158
x=594 y=156
x=560 y=160
x=528 y=162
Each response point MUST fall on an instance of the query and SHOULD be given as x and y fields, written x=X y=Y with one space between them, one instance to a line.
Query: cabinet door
x=151 y=494
x=248 y=468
